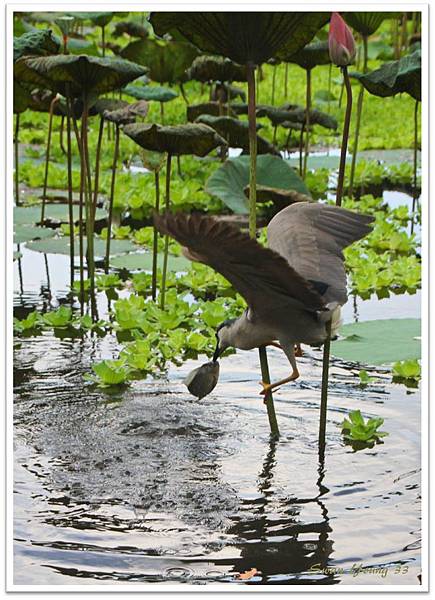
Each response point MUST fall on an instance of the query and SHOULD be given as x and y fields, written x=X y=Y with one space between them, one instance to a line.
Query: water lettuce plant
x=361 y=433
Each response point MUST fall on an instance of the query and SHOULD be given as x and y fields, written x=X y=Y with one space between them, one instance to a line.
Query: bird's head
x=224 y=335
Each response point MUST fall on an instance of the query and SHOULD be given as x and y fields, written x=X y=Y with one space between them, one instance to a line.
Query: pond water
x=149 y=485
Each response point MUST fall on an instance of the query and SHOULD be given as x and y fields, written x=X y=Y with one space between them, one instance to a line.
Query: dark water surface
x=148 y=485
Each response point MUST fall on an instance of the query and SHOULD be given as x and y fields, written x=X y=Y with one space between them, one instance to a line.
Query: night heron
x=293 y=288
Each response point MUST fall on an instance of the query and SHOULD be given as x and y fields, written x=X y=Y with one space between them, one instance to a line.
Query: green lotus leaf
x=150 y=93
x=216 y=68
x=144 y=262
x=365 y=23
x=166 y=61
x=62 y=246
x=236 y=133
x=207 y=108
x=379 y=50
x=131 y=28
x=244 y=37
x=35 y=43
x=230 y=180
x=192 y=138
x=379 y=342
x=53 y=212
x=403 y=75
x=312 y=55
x=82 y=74
x=25 y=233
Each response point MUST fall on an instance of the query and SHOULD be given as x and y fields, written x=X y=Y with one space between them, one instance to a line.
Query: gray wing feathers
x=312 y=238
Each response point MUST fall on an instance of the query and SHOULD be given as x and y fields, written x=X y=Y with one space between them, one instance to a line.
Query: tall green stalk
x=166 y=250
x=112 y=196
x=81 y=196
x=97 y=167
x=17 y=159
x=252 y=117
x=307 y=122
x=162 y=113
x=273 y=84
x=70 y=191
x=47 y=156
x=345 y=139
x=155 y=237
x=414 y=182
x=359 y=108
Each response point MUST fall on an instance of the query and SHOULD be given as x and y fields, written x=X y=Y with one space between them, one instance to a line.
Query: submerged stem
x=345 y=139
x=165 y=254
x=268 y=400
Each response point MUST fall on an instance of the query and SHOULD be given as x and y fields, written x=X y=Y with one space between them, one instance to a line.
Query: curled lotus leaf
x=35 y=43
x=229 y=181
x=216 y=68
x=121 y=116
x=166 y=61
x=244 y=37
x=139 y=108
x=236 y=133
x=280 y=198
x=150 y=93
x=106 y=104
x=208 y=108
x=131 y=28
x=365 y=23
x=191 y=138
x=403 y=75
x=225 y=90
x=312 y=55
x=81 y=74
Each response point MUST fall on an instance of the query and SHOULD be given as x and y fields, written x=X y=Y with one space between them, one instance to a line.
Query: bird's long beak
x=217 y=351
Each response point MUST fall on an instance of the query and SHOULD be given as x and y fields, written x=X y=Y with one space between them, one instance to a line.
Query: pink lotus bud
x=341 y=43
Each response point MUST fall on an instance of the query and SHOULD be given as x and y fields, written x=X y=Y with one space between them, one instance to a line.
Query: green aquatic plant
x=362 y=433
x=407 y=372
x=62 y=317
x=109 y=373
x=30 y=323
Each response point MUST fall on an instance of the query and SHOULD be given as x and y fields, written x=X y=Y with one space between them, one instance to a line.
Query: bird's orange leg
x=269 y=387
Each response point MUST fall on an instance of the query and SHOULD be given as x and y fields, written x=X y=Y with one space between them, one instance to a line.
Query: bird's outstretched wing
x=312 y=236
x=260 y=275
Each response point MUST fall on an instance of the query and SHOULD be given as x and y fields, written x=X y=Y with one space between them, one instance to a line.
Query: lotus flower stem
x=47 y=156
x=62 y=123
x=345 y=139
x=359 y=108
x=273 y=85
x=166 y=250
x=97 y=167
x=17 y=159
x=324 y=392
x=286 y=81
x=414 y=183
x=307 y=122
x=252 y=117
x=155 y=237
x=70 y=191
x=112 y=196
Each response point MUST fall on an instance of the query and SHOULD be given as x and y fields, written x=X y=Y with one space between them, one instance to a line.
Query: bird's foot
x=267 y=388
x=298 y=350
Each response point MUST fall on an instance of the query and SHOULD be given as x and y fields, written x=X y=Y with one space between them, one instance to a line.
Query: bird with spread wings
x=292 y=288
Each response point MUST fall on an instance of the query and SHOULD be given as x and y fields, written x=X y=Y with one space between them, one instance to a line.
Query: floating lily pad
x=25 y=233
x=379 y=342
x=144 y=262
x=53 y=212
x=61 y=246
x=229 y=181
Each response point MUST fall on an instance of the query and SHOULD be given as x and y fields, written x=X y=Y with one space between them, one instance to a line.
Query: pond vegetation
x=121 y=115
